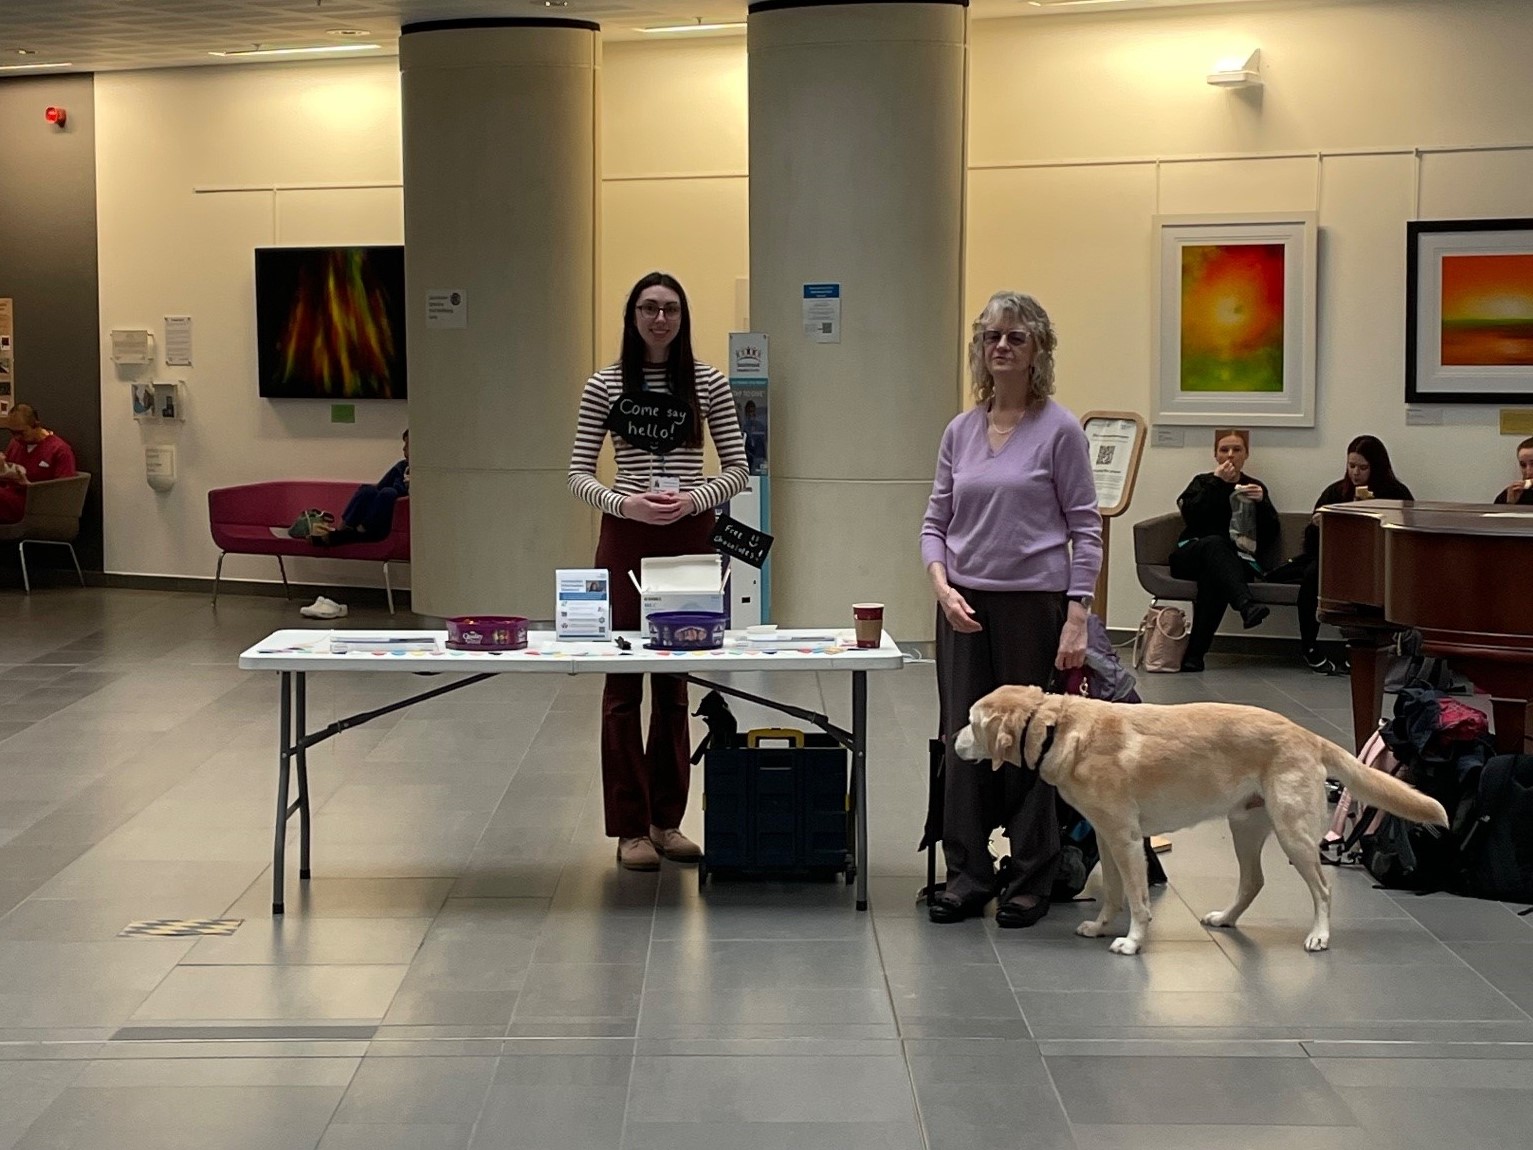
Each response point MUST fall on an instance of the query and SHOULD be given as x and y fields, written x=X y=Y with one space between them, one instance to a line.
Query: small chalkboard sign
x=733 y=538
x=655 y=421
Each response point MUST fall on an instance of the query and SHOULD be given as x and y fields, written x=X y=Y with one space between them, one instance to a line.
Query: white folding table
x=296 y=654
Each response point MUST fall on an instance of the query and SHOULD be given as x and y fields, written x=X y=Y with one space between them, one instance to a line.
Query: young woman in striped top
x=660 y=504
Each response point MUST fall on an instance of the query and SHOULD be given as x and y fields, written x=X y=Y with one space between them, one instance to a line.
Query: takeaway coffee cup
x=869 y=619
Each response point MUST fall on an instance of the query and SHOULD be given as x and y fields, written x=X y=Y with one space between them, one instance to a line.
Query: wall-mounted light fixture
x=1237 y=73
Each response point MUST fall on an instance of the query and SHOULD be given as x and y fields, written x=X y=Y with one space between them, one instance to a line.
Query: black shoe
x=1012 y=915
x=1192 y=665
x=1252 y=614
x=950 y=908
x=1319 y=663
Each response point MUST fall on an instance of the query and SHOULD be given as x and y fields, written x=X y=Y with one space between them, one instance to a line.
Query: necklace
x=997 y=429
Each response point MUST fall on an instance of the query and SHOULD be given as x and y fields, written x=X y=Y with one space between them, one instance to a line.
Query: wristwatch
x=1084 y=600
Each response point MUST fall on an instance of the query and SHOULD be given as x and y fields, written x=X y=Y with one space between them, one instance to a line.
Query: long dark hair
x=680 y=365
x=1381 y=473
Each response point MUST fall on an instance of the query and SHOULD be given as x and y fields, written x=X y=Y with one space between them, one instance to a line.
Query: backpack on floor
x=1442 y=746
x=1498 y=847
x=1342 y=843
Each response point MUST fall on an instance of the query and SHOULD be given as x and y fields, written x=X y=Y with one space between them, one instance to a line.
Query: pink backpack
x=1340 y=844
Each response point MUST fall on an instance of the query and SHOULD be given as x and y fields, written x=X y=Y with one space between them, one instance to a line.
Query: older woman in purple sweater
x=1012 y=541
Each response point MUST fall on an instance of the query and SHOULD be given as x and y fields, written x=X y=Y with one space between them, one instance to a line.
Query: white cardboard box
x=680 y=583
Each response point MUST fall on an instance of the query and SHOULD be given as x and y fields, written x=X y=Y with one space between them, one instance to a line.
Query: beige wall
x=1069 y=116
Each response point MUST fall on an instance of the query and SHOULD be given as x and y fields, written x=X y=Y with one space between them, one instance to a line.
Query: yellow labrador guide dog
x=1143 y=769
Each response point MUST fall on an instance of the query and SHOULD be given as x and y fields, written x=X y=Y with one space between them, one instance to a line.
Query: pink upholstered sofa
x=241 y=519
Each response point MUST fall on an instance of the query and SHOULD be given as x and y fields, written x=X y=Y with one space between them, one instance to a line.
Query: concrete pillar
x=500 y=182
x=857 y=177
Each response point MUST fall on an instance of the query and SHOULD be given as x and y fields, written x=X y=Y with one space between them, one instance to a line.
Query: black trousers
x=1017 y=646
x=1221 y=575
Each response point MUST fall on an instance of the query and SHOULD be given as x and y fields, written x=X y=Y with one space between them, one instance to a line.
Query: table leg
x=1510 y=716
x=860 y=779
x=300 y=718
x=1370 y=664
x=284 y=743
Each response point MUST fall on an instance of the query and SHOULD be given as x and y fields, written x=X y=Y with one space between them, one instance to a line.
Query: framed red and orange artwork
x=1469 y=311
x=1235 y=320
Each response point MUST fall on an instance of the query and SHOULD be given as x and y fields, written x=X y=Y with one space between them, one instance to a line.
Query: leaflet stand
x=1115 y=440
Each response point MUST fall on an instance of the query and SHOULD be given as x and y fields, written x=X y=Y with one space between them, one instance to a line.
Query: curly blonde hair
x=1027 y=313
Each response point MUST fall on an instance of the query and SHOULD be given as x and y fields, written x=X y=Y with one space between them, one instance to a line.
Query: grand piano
x=1460 y=573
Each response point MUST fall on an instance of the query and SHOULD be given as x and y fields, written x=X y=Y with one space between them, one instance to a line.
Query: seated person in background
x=1369 y=475
x=1522 y=490
x=34 y=454
x=370 y=513
x=1229 y=521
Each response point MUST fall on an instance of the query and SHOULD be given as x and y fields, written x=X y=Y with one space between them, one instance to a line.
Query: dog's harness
x=1048 y=741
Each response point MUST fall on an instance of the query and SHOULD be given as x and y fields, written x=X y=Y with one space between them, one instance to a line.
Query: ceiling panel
x=104 y=35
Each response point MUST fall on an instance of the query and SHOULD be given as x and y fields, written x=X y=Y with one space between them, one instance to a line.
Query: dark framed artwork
x=1469 y=311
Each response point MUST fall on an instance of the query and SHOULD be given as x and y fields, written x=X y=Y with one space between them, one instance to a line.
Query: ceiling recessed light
x=346 y=33
x=258 y=51
x=24 y=51
x=1069 y=3
x=697 y=27
x=550 y=3
x=31 y=67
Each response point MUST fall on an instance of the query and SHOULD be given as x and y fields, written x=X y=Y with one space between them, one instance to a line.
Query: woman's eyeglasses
x=1015 y=338
x=650 y=310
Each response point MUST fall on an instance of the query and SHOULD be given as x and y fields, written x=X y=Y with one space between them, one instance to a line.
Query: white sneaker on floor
x=323 y=608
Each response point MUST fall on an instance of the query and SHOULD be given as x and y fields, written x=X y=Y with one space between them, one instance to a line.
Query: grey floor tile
x=1154 y=1091
x=330 y=897
x=293 y=993
x=556 y=1102
x=375 y=1136
x=912 y=941
x=580 y=992
x=279 y=1116
x=417 y=1091
x=1075 y=965
x=986 y=1094
x=1428 y=1118
x=1427 y=1073
x=418 y=1003
x=1454 y=919
x=770 y=1089
x=1215 y=1137
x=729 y=964
x=951 y=992
x=298 y=941
x=228 y=1070
x=1508 y=966
x=785 y=1135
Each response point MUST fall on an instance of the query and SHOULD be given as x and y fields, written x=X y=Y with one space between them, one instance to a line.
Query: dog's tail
x=1380 y=789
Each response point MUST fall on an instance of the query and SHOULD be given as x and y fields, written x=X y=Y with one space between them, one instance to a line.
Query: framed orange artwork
x=1469 y=311
x=1235 y=320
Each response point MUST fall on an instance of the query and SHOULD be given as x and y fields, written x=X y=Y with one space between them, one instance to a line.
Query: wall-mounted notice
x=446 y=307
x=178 y=340
x=130 y=345
x=822 y=312
x=7 y=355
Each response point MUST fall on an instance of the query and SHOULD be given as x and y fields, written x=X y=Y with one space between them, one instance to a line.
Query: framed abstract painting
x=1469 y=311
x=1235 y=320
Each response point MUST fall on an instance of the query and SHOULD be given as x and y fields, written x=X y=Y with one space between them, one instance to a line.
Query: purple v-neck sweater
x=1023 y=518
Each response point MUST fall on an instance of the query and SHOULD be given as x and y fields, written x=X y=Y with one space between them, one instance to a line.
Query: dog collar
x=1043 y=751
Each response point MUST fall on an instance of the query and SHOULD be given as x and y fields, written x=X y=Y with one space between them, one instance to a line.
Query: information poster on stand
x=178 y=340
x=748 y=382
x=582 y=603
x=1114 y=441
x=7 y=355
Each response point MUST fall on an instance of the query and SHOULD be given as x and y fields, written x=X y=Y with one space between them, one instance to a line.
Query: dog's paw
x=1217 y=918
x=1124 y=945
x=1091 y=929
x=1317 y=942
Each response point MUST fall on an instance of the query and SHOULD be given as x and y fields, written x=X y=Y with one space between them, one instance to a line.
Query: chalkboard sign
x=733 y=538
x=655 y=421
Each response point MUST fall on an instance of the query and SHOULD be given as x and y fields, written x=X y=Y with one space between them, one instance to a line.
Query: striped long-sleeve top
x=635 y=466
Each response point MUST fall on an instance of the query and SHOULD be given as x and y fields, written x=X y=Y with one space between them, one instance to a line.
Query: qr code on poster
x=1104 y=455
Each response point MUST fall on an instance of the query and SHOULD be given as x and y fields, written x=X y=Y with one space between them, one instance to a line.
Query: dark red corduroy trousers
x=644 y=784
